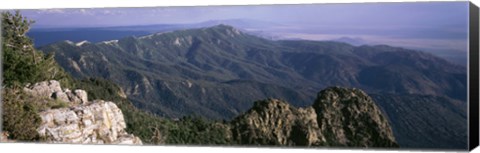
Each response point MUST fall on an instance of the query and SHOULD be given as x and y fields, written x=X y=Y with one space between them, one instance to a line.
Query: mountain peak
x=226 y=26
x=227 y=29
x=82 y=43
x=338 y=115
x=352 y=112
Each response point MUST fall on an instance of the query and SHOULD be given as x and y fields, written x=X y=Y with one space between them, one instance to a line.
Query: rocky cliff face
x=339 y=117
x=275 y=122
x=349 y=117
x=83 y=121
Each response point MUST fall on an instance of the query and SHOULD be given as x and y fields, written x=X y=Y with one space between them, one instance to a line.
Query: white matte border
x=36 y=4
x=75 y=148
x=65 y=148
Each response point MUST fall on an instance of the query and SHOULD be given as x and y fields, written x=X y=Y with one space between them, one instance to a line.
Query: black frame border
x=473 y=59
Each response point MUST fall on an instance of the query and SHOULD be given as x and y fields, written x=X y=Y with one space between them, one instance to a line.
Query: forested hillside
x=205 y=85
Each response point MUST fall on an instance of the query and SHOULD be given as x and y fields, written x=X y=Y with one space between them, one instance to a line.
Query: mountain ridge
x=207 y=62
x=32 y=115
x=198 y=71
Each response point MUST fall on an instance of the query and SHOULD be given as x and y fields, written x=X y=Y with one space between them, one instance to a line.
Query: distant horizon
x=36 y=27
x=431 y=26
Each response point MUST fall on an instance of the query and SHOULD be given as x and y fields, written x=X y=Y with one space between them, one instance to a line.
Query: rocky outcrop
x=349 y=117
x=52 y=89
x=275 y=122
x=86 y=122
x=339 y=117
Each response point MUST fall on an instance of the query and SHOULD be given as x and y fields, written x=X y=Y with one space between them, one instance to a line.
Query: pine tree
x=22 y=63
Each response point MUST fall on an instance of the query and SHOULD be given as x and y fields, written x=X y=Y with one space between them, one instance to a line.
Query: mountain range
x=47 y=35
x=217 y=72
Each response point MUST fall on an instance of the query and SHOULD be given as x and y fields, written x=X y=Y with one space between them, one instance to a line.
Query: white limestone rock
x=52 y=89
x=43 y=89
x=82 y=95
x=60 y=96
x=95 y=122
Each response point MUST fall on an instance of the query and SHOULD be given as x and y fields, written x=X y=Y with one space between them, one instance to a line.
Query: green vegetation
x=164 y=71
x=21 y=62
x=139 y=123
x=184 y=78
x=195 y=130
x=56 y=104
x=151 y=128
x=20 y=115
x=241 y=67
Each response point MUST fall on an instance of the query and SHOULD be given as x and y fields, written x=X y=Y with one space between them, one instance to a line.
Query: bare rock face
x=95 y=122
x=339 y=117
x=61 y=96
x=275 y=122
x=81 y=95
x=99 y=122
x=349 y=117
x=44 y=89
x=52 y=89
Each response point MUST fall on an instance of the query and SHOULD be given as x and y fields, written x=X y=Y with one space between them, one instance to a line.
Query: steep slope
x=437 y=122
x=406 y=71
x=218 y=72
x=172 y=68
x=339 y=117
x=275 y=122
x=152 y=65
x=353 y=118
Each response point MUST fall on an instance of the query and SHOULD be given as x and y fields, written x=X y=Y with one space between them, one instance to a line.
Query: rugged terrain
x=217 y=73
x=339 y=117
x=79 y=120
x=46 y=112
x=205 y=68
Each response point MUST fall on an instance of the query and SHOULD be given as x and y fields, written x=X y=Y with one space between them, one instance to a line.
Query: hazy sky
x=422 y=14
x=428 y=24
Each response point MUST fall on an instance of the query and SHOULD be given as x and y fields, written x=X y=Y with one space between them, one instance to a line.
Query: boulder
x=81 y=95
x=52 y=89
x=44 y=89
